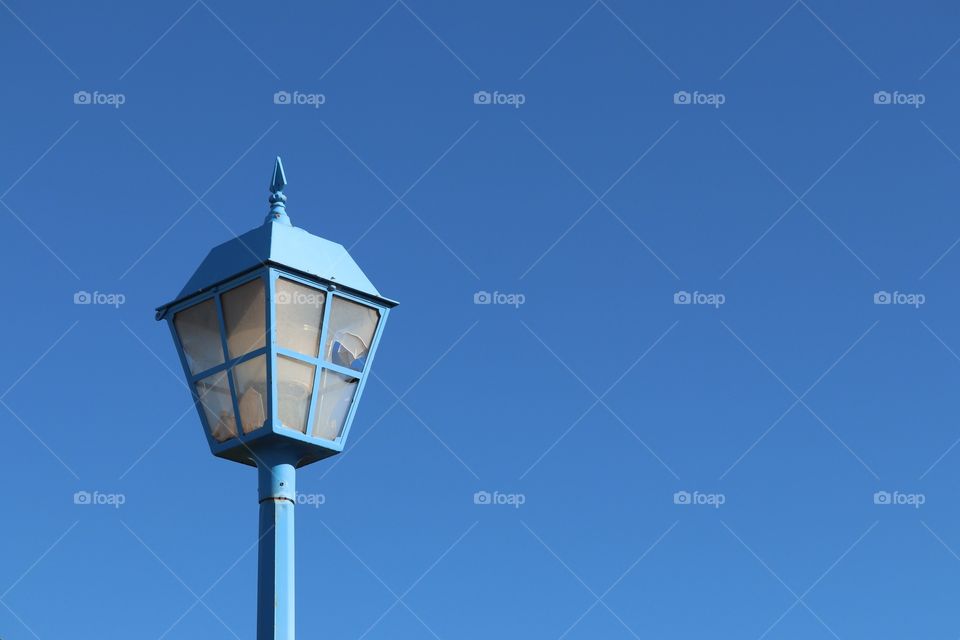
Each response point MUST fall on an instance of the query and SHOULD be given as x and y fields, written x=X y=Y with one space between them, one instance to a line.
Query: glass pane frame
x=228 y=364
x=313 y=447
x=331 y=292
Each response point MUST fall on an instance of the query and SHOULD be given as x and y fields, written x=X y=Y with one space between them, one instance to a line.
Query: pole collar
x=278 y=482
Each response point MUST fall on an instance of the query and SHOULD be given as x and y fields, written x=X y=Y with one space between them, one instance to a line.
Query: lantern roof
x=277 y=242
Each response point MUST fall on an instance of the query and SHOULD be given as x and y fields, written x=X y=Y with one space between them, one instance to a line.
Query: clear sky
x=773 y=459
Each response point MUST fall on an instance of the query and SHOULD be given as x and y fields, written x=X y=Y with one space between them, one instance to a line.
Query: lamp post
x=276 y=331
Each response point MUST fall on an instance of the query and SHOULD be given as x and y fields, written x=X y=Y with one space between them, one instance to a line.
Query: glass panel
x=333 y=403
x=199 y=332
x=294 y=388
x=350 y=333
x=244 y=317
x=214 y=393
x=299 y=313
x=250 y=380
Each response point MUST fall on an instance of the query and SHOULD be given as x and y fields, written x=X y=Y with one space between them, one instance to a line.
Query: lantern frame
x=244 y=447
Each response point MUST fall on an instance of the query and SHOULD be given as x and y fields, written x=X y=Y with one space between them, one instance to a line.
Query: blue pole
x=275 y=582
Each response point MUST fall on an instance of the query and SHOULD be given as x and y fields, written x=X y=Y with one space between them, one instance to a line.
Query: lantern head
x=276 y=331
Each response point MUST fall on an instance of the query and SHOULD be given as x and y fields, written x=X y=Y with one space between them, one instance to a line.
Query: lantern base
x=264 y=444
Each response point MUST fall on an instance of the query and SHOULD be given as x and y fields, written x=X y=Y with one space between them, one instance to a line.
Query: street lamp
x=276 y=332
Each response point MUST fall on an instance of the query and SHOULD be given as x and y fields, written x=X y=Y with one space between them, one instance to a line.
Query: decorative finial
x=278 y=210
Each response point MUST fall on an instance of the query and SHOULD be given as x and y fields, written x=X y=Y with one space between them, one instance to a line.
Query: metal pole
x=275 y=583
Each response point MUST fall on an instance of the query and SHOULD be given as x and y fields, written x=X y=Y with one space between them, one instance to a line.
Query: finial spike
x=278 y=206
x=279 y=180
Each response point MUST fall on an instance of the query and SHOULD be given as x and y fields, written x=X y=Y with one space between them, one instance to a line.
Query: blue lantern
x=277 y=330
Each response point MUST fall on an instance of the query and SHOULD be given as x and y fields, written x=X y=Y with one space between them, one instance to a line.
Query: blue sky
x=721 y=404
